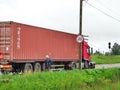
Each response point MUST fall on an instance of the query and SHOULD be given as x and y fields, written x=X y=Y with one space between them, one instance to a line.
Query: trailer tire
x=37 y=67
x=28 y=68
x=73 y=65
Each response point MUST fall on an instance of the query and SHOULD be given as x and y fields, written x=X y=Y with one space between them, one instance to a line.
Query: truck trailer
x=24 y=47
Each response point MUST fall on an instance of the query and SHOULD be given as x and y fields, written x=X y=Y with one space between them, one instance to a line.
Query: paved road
x=107 y=65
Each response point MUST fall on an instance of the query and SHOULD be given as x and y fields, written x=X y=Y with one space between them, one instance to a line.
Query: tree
x=97 y=53
x=116 y=49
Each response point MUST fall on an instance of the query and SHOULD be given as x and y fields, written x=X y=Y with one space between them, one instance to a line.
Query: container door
x=5 y=42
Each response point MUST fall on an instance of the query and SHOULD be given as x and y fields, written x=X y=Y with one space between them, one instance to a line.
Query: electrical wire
x=106 y=7
x=85 y=2
x=103 y=12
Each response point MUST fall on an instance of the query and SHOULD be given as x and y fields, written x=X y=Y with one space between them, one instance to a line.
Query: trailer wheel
x=37 y=67
x=86 y=64
x=28 y=68
x=72 y=65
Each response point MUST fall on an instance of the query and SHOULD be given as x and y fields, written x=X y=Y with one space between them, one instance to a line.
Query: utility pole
x=80 y=33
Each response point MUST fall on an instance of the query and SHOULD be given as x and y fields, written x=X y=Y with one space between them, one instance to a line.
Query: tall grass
x=100 y=59
x=63 y=80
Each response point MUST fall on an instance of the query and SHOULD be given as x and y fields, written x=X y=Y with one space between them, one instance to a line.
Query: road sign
x=79 y=38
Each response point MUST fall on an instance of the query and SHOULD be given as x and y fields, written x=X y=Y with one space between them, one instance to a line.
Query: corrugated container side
x=34 y=43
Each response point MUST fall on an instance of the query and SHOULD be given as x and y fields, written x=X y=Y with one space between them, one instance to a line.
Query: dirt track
x=107 y=65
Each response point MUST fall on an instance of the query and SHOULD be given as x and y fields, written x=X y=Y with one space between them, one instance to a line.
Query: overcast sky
x=102 y=25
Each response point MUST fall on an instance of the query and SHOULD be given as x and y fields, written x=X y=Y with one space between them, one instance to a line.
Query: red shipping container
x=25 y=43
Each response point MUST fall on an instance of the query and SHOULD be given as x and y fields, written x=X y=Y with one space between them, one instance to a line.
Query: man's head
x=47 y=56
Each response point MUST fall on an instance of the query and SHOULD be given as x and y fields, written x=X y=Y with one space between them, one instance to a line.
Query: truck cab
x=86 y=58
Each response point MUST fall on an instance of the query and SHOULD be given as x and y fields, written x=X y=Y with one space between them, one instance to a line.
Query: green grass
x=99 y=59
x=91 y=79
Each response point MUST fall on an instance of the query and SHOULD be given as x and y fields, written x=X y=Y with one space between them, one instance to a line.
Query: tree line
x=114 y=50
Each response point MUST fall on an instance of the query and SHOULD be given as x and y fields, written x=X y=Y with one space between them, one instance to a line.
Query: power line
x=103 y=12
x=103 y=5
x=106 y=7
